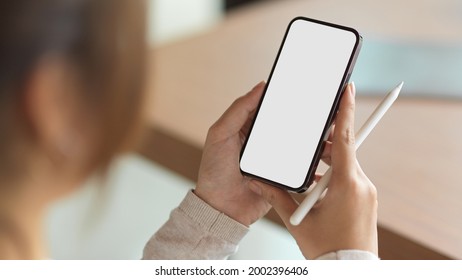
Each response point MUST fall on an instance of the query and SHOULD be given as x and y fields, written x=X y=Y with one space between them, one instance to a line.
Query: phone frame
x=346 y=76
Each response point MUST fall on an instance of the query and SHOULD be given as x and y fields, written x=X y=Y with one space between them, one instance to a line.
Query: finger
x=246 y=127
x=284 y=204
x=238 y=113
x=317 y=177
x=343 y=146
x=331 y=133
x=327 y=153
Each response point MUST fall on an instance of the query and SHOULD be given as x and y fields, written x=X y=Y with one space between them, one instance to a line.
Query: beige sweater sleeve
x=195 y=230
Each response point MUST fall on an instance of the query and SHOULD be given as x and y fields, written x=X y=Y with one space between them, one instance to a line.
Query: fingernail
x=259 y=84
x=353 y=88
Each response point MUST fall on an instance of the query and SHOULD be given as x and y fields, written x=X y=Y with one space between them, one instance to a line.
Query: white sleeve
x=349 y=255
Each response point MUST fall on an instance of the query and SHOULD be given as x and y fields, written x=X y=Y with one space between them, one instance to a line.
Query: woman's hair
x=104 y=40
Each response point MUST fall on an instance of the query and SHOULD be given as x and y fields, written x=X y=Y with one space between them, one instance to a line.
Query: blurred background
x=205 y=53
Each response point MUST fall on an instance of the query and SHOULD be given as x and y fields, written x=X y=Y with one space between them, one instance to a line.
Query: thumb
x=281 y=200
x=235 y=117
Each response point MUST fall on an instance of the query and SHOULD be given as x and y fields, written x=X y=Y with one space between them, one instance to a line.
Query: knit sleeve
x=195 y=230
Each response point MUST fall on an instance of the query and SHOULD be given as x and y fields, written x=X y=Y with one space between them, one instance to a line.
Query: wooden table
x=414 y=156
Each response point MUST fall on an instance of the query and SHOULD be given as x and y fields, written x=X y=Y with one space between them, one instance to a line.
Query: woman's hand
x=220 y=181
x=346 y=218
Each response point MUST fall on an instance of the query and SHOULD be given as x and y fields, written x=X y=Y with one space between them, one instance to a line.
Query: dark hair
x=103 y=39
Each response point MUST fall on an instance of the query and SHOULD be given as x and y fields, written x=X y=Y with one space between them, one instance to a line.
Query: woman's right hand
x=346 y=218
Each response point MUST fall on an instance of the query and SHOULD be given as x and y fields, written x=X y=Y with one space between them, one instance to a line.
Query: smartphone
x=300 y=101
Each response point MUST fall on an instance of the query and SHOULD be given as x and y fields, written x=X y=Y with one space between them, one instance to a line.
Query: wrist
x=228 y=208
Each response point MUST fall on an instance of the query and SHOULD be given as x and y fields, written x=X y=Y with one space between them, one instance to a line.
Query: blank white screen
x=297 y=102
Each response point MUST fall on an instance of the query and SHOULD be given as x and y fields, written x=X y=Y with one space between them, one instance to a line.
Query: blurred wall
x=172 y=19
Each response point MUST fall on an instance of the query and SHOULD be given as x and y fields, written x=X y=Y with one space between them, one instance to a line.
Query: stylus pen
x=312 y=197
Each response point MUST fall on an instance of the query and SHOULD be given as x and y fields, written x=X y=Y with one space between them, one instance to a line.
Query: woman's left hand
x=220 y=181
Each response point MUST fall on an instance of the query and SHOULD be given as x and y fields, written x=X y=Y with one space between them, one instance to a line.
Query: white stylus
x=312 y=197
